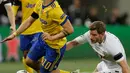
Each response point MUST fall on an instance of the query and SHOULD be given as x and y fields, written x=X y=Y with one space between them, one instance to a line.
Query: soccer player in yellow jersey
x=27 y=38
x=52 y=42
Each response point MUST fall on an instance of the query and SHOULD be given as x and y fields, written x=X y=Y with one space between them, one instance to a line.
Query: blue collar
x=47 y=5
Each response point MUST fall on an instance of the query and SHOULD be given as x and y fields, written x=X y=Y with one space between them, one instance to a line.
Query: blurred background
x=115 y=13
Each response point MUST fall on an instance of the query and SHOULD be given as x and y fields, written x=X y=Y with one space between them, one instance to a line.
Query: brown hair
x=99 y=26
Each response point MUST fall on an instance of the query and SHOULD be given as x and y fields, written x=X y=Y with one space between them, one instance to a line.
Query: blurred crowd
x=80 y=15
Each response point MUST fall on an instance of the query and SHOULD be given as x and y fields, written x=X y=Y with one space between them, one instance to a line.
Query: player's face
x=95 y=36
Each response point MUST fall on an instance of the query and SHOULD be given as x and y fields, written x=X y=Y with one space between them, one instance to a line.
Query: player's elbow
x=68 y=27
x=8 y=7
x=71 y=31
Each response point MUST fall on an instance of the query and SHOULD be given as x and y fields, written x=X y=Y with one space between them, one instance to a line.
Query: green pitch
x=85 y=65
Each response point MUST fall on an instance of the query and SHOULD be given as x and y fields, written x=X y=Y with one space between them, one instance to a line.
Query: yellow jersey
x=27 y=10
x=52 y=18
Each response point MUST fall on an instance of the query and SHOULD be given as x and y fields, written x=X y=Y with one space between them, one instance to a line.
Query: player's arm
x=26 y=24
x=77 y=41
x=118 y=55
x=67 y=30
x=10 y=14
x=122 y=62
x=22 y=27
x=125 y=67
x=71 y=44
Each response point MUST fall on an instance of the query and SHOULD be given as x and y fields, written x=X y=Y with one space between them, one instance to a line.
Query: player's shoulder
x=113 y=44
x=39 y=2
x=56 y=10
x=112 y=39
x=55 y=6
x=86 y=35
x=111 y=36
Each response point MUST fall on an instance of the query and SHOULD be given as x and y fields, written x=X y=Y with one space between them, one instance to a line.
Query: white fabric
x=102 y=68
x=8 y=4
x=2 y=1
x=107 y=49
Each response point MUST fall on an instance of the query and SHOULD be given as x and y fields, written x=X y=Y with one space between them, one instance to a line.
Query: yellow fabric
x=63 y=71
x=15 y=9
x=27 y=10
x=29 y=69
x=51 y=18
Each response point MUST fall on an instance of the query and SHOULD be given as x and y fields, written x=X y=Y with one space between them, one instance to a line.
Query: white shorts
x=102 y=68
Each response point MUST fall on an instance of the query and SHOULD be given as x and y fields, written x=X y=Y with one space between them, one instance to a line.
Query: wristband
x=15 y=34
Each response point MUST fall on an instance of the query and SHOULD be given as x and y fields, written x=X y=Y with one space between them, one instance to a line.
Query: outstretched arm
x=21 y=29
x=10 y=16
x=71 y=44
x=77 y=41
x=25 y=25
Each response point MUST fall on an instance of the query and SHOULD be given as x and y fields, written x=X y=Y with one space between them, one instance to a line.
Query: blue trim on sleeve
x=64 y=21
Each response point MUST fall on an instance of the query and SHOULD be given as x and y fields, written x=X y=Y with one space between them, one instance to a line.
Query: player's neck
x=46 y=2
x=100 y=42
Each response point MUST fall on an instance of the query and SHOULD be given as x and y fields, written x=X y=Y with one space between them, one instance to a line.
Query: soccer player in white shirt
x=7 y=5
x=108 y=47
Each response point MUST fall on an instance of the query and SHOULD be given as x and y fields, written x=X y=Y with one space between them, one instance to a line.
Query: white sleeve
x=82 y=38
x=0 y=1
x=116 y=50
x=6 y=2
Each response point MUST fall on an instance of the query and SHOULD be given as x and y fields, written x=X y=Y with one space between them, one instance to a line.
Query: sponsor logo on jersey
x=30 y=5
x=43 y=21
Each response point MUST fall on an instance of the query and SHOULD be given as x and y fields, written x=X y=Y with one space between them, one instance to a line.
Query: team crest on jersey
x=30 y=5
x=43 y=21
x=62 y=16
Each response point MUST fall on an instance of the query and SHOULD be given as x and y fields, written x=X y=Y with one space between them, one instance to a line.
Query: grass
x=69 y=65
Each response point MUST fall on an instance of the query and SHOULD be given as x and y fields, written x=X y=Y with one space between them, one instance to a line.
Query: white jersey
x=1 y=1
x=7 y=2
x=107 y=50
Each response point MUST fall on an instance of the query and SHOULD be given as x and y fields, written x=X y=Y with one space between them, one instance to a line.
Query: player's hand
x=8 y=38
x=13 y=29
x=47 y=36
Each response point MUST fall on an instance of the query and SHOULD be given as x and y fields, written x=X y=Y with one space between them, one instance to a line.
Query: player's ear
x=103 y=33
